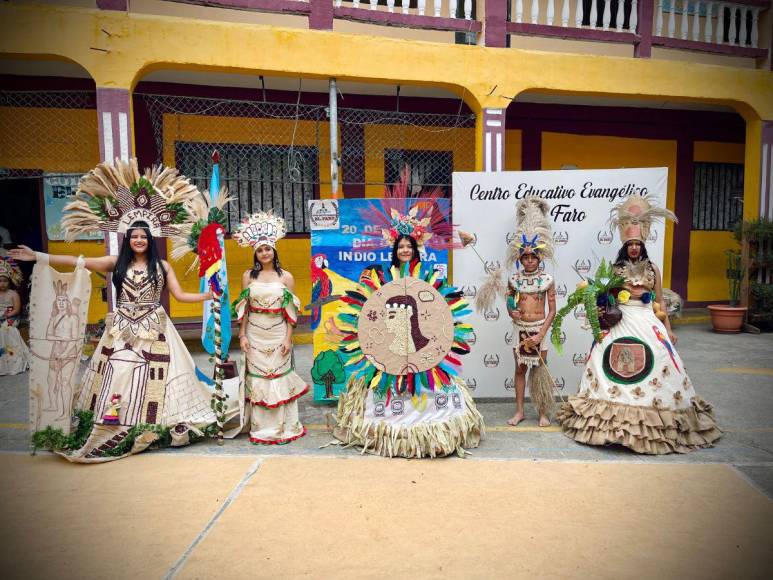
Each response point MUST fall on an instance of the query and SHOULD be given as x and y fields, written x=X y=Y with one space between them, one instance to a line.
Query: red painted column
x=493 y=140
x=496 y=20
x=683 y=200
x=643 y=46
x=321 y=15
x=115 y=141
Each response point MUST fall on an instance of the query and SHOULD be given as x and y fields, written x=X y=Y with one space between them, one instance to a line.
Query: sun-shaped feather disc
x=404 y=335
x=406 y=327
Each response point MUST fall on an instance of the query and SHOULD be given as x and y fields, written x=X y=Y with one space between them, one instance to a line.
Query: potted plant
x=729 y=318
x=759 y=236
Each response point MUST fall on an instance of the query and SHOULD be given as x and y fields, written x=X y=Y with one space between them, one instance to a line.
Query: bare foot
x=544 y=421
x=517 y=418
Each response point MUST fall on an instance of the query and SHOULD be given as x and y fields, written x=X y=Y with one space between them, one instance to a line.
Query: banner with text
x=580 y=201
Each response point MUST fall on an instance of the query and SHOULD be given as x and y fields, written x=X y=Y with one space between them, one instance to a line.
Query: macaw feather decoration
x=634 y=217
x=493 y=288
x=206 y=216
x=434 y=378
x=113 y=196
x=532 y=231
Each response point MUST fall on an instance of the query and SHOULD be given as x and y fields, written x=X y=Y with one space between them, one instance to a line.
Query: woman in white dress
x=267 y=311
x=14 y=354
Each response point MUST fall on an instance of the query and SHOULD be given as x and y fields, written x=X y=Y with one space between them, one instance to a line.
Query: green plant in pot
x=730 y=318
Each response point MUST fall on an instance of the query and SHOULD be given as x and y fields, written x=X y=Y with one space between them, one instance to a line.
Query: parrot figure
x=664 y=341
x=321 y=287
x=211 y=255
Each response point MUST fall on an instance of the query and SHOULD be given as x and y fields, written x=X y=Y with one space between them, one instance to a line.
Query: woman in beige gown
x=267 y=311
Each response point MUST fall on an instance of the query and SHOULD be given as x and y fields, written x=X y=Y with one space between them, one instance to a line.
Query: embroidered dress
x=272 y=386
x=522 y=283
x=142 y=359
x=635 y=390
x=14 y=354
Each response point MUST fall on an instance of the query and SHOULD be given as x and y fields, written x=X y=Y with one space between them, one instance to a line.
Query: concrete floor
x=734 y=373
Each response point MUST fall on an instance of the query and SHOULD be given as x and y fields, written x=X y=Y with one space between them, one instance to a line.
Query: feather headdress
x=634 y=217
x=532 y=231
x=262 y=228
x=113 y=196
x=10 y=269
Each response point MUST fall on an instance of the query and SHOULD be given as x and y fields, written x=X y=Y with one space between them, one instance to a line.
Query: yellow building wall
x=48 y=139
x=598 y=152
x=89 y=249
x=378 y=138
x=513 y=149
x=706 y=271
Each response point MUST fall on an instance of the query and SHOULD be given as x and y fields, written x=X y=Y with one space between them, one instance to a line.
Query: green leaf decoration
x=179 y=212
x=217 y=215
x=98 y=206
x=142 y=185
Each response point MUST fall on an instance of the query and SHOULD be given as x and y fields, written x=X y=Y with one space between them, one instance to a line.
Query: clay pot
x=727 y=319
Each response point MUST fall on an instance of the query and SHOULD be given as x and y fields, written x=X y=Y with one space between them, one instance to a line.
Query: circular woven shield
x=406 y=327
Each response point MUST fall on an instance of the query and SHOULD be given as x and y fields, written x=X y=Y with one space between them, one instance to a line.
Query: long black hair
x=126 y=257
x=414 y=246
x=622 y=255
x=256 y=267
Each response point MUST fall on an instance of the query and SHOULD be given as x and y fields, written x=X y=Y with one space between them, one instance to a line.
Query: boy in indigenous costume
x=635 y=390
x=529 y=292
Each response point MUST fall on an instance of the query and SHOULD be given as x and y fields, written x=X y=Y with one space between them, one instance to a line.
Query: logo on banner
x=559 y=383
x=472 y=384
x=469 y=291
x=492 y=266
x=509 y=384
x=397 y=407
x=509 y=338
x=441 y=400
x=562 y=338
x=561 y=238
x=605 y=237
x=579 y=312
x=491 y=315
x=490 y=360
x=379 y=408
x=456 y=400
x=472 y=338
x=579 y=359
x=561 y=290
x=324 y=214
x=582 y=265
x=653 y=237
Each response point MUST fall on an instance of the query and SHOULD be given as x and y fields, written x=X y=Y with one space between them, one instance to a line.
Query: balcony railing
x=730 y=27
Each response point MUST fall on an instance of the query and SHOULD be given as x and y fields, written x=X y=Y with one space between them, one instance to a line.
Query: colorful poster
x=345 y=242
x=58 y=191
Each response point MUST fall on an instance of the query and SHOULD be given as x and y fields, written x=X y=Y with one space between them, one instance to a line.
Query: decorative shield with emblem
x=628 y=360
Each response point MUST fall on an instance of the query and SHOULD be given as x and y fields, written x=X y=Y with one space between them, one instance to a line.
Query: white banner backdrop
x=580 y=200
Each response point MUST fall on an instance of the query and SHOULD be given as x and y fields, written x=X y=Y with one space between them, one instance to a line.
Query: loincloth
x=522 y=331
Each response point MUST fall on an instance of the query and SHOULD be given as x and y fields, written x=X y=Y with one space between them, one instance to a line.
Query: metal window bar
x=428 y=169
x=258 y=176
x=717 y=196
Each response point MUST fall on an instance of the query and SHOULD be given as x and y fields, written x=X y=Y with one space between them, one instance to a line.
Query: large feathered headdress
x=113 y=196
x=634 y=217
x=532 y=231
x=262 y=228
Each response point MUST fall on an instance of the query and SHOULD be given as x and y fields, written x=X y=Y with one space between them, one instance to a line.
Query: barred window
x=428 y=169
x=260 y=177
x=717 y=196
